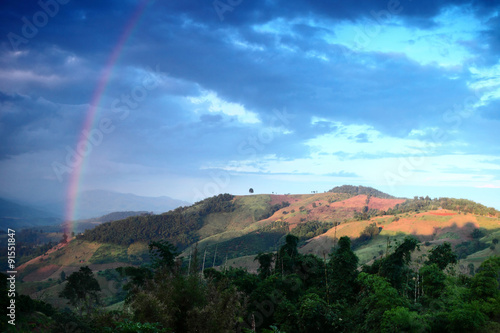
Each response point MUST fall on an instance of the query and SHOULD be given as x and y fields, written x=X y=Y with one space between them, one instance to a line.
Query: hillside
x=231 y=230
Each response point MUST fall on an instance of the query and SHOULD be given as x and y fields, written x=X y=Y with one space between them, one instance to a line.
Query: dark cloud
x=28 y=125
x=46 y=88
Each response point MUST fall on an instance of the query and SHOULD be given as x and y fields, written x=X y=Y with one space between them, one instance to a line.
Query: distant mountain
x=87 y=224
x=14 y=215
x=115 y=216
x=99 y=202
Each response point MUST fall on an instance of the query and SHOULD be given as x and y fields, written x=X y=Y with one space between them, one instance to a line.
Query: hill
x=231 y=229
x=357 y=190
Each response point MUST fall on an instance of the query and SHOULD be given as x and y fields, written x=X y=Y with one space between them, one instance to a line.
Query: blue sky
x=209 y=97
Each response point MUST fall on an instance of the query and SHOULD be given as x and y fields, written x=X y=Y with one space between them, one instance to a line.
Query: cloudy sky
x=193 y=98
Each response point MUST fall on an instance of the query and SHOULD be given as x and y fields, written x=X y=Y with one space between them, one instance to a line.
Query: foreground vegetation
x=403 y=291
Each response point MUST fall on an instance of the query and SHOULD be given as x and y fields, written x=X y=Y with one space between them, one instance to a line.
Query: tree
x=377 y=296
x=315 y=315
x=477 y=233
x=343 y=266
x=64 y=239
x=82 y=289
x=433 y=280
x=285 y=261
x=63 y=276
x=401 y=319
x=163 y=254
x=485 y=282
x=265 y=264
x=396 y=266
x=442 y=255
x=250 y=190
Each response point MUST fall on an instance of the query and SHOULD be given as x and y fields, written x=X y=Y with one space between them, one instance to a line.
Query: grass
x=367 y=252
x=115 y=307
x=109 y=253
x=73 y=253
x=450 y=235
x=30 y=269
x=436 y=218
x=248 y=209
x=31 y=287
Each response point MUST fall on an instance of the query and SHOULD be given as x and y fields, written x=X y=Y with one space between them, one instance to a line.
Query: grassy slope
x=40 y=275
x=430 y=227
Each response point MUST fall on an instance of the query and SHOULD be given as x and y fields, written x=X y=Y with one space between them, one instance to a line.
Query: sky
x=189 y=99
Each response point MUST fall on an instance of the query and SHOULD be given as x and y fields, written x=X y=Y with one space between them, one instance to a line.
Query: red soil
x=359 y=202
x=442 y=213
x=383 y=204
x=325 y=211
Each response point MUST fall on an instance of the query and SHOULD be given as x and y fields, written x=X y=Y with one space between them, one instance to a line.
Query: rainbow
x=76 y=176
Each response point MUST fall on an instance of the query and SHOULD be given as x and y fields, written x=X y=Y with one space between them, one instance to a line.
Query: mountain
x=15 y=216
x=232 y=230
x=99 y=202
x=87 y=224
x=115 y=216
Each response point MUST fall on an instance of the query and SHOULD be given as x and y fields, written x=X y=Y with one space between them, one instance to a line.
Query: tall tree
x=163 y=254
x=396 y=266
x=342 y=266
x=287 y=254
x=265 y=264
x=82 y=290
x=442 y=255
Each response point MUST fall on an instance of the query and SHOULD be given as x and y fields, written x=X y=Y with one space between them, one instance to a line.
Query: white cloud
x=212 y=103
x=487 y=81
x=355 y=139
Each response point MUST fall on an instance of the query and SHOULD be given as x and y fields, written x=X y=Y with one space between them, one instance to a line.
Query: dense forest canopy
x=358 y=190
x=404 y=290
x=179 y=226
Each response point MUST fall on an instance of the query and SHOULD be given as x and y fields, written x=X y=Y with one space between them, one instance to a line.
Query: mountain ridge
x=234 y=229
x=15 y=215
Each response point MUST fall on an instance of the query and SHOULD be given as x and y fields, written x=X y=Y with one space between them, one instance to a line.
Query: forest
x=404 y=290
x=357 y=190
x=179 y=226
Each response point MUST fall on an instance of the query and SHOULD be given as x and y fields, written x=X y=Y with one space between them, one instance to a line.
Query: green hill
x=231 y=230
x=357 y=190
